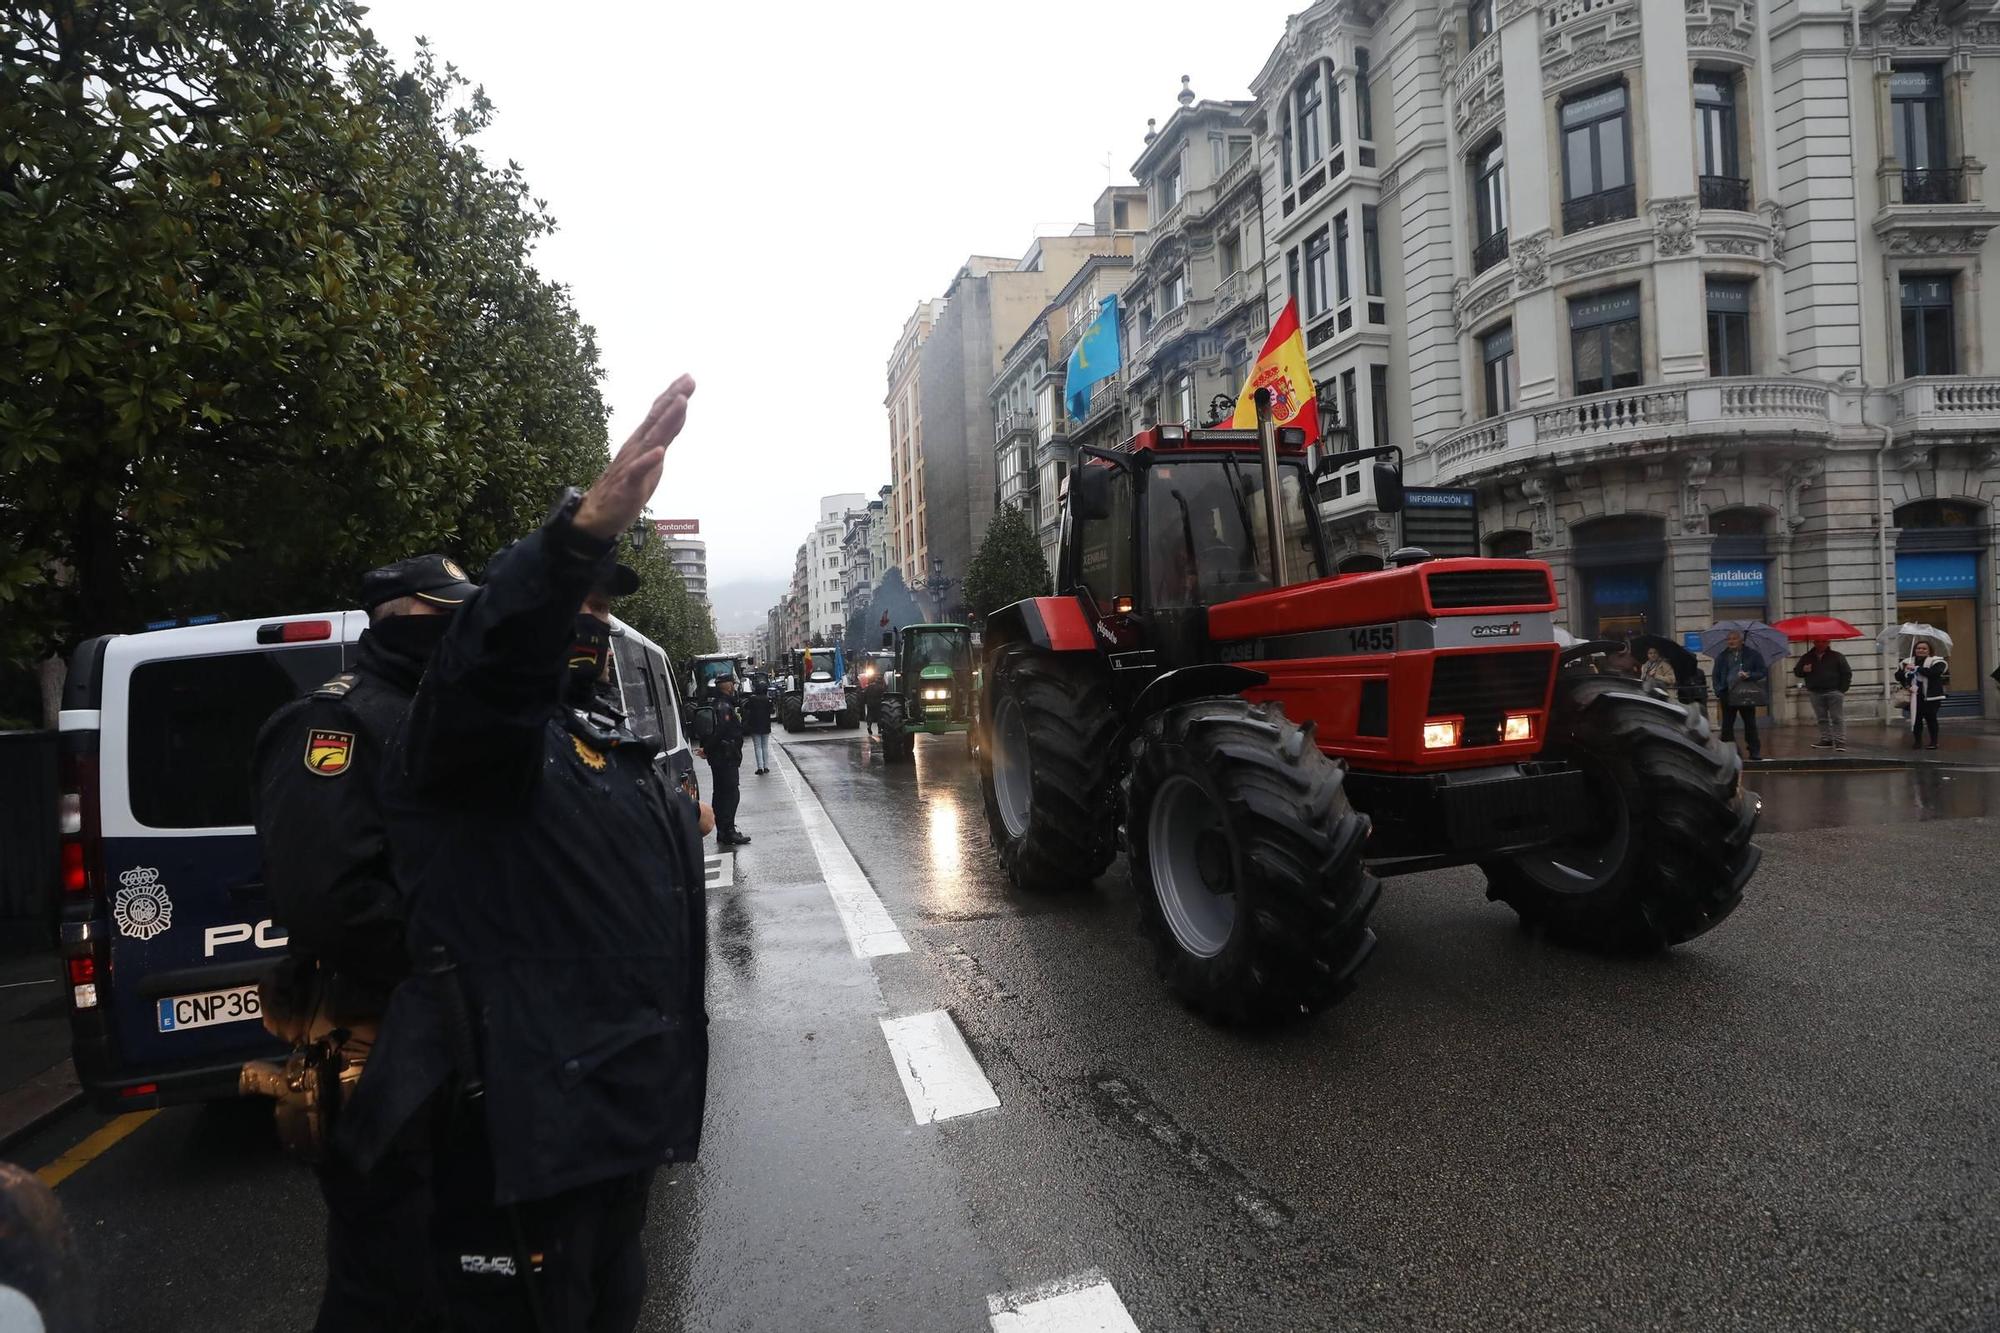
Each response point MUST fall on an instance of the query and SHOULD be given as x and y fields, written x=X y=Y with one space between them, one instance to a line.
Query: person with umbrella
x=1925 y=674
x=1740 y=673
x=1826 y=674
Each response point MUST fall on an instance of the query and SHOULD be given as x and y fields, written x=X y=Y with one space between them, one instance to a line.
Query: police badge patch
x=142 y=908
x=592 y=760
x=328 y=753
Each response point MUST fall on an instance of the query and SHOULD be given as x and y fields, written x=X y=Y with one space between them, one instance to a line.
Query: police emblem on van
x=328 y=753
x=142 y=908
x=1511 y=630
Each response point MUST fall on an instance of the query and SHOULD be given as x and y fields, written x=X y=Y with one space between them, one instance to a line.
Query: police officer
x=554 y=1027
x=722 y=746
x=321 y=767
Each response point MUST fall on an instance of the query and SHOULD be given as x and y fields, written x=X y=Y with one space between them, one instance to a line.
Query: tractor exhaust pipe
x=1274 y=509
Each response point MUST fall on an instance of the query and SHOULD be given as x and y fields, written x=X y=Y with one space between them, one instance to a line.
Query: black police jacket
x=322 y=763
x=722 y=736
x=563 y=879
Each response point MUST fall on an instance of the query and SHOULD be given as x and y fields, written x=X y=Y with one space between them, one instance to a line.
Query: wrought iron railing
x=1491 y=251
x=1934 y=185
x=1730 y=192
x=1594 y=210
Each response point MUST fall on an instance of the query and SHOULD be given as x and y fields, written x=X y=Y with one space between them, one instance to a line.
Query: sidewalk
x=36 y=1081
x=1967 y=742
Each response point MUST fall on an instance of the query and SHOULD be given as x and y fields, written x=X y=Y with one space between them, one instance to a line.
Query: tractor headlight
x=1520 y=727
x=1440 y=735
x=937 y=692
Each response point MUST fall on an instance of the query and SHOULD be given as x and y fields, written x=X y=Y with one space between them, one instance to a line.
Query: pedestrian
x=1827 y=676
x=1657 y=670
x=722 y=746
x=755 y=710
x=872 y=690
x=323 y=764
x=553 y=1031
x=1740 y=673
x=1924 y=674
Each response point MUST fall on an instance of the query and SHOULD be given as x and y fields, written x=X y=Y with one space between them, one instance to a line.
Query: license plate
x=236 y=1005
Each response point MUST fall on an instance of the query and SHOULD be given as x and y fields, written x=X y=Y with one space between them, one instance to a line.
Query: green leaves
x=1008 y=565
x=663 y=609
x=268 y=319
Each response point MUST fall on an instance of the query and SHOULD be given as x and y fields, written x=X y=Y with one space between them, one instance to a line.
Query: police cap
x=617 y=578
x=436 y=579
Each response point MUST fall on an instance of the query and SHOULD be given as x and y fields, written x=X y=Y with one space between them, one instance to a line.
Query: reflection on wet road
x=1797 y=801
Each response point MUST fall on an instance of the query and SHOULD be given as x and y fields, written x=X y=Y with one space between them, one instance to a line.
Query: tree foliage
x=663 y=609
x=268 y=318
x=1008 y=565
x=892 y=598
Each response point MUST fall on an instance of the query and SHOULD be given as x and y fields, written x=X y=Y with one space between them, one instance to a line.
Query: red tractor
x=1267 y=739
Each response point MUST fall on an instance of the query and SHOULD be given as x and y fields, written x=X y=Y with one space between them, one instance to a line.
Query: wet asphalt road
x=1789 y=1124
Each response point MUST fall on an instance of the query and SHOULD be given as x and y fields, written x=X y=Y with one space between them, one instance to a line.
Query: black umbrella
x=1685 y=667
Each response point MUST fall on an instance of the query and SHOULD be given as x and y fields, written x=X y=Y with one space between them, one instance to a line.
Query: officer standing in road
x=554 y=1029
x=722 y=746
x=321 y=765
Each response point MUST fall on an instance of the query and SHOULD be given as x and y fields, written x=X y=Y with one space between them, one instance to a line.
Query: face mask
x=412 y=637
x=590 y=643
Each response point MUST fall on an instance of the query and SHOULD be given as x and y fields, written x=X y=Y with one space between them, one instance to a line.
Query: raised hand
x=619 y=494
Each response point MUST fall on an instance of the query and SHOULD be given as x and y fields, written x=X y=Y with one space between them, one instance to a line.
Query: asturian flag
x=1095 y=357
x=1281 y=368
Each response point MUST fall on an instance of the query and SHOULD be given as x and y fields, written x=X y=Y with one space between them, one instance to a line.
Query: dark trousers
x=728 y=790
x=570 y=1263
x=1925 y=714
x=378 y=1274
x=1749 y=716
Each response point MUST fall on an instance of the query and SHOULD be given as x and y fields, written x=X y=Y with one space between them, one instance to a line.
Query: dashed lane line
x=1085 y=1303
x=940 y=1076
x=719 y=870
x=88 y=1151
x=871 y=931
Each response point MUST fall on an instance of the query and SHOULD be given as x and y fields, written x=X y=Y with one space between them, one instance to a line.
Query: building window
x=1478 y=21
x=1184 y=400
x=1285 y=152
x=1340 y=256
x=1364 y=105
x=1349 y=408
x=1292 y=273
x=1722 y=181
x=1170 y=188
x=1316 y=245
x=1728 y=326
x=1371 y=250
x=1378 y=404
x=1916 y=107
x=1489 y=205
x=1502 y=375
x=1604 y=340
x=1174 y=291
x=1309 y=102
x=1929 y=344
x=1229 y=253
x=1597 y=175
x=1239 y=147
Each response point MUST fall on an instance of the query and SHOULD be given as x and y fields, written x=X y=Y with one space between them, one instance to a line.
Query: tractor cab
x=932 y=686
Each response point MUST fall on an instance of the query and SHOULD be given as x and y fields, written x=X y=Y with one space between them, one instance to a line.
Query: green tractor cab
x=931 y=686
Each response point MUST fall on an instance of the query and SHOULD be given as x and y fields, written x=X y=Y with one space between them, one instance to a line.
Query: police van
x=166 y=922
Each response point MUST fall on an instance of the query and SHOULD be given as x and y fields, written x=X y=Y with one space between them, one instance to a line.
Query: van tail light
x=81 y=970
x=295 y=631
x=80 y=861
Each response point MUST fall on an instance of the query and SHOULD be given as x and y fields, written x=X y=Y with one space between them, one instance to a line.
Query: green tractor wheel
x=899 y=744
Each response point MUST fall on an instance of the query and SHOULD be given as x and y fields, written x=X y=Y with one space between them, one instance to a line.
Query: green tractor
x=931 y=684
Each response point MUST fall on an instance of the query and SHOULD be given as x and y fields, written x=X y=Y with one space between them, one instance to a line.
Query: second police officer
x=722 y=745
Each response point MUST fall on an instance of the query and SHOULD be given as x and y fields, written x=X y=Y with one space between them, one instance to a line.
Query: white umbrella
x=1892 y=639
x=1564 y=639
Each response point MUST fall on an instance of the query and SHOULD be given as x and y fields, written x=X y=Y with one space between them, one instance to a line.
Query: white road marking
x=1085 y=1303
x=939 y=1075
x=871 y=931
x=720 y=869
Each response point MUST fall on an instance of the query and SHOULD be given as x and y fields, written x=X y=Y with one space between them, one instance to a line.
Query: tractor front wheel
x=1246 y=858
x=789 y=715
x=1669 y=846
x=898 y=745
x=1045 y=768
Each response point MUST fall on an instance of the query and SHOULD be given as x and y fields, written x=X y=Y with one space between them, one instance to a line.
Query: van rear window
x=194 y=722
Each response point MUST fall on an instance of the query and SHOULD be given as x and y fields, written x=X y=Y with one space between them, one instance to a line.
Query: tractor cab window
x=936 y=648
x=1205 y=531
x=1104 y=548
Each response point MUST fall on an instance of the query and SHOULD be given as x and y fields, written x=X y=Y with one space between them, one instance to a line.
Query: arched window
x=1512 y=544
x=1939 y=514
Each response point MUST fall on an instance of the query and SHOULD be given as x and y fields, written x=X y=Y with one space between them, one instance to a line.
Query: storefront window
x=1604 y=341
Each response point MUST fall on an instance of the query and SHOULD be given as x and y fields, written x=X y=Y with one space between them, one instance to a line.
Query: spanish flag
x=809 y=664
x=1281 y=368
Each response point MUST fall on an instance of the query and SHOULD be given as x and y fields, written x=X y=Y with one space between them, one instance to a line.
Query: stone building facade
x=1689 y=295
x=907 y=516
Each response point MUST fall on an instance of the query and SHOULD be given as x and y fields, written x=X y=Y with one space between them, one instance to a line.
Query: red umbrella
x=1817 y=627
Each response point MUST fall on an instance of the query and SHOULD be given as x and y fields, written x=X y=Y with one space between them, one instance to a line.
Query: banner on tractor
x=1281 y=368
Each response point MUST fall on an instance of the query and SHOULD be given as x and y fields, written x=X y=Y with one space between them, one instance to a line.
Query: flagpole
x=1267 y=446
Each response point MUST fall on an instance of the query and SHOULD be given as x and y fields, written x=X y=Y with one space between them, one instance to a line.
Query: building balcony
x=1019 y=422
x=1594 y=210
x=1934 y=210
x=1934 y=185
x=1726 y=192
x=1953 y=403
x=1233 y=291
x=1491 y=251
x=1613 y=423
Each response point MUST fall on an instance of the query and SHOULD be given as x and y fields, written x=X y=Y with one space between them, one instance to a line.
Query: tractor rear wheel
x=1670 y=847
x=789 y=714
x=897 y=743
x=1046 y=767
x=1246 y=859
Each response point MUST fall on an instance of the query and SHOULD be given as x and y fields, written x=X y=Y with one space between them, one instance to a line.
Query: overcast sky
x=760 y=193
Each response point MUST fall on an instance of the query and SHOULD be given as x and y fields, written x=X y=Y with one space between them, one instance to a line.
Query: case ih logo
x=1511 y=630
